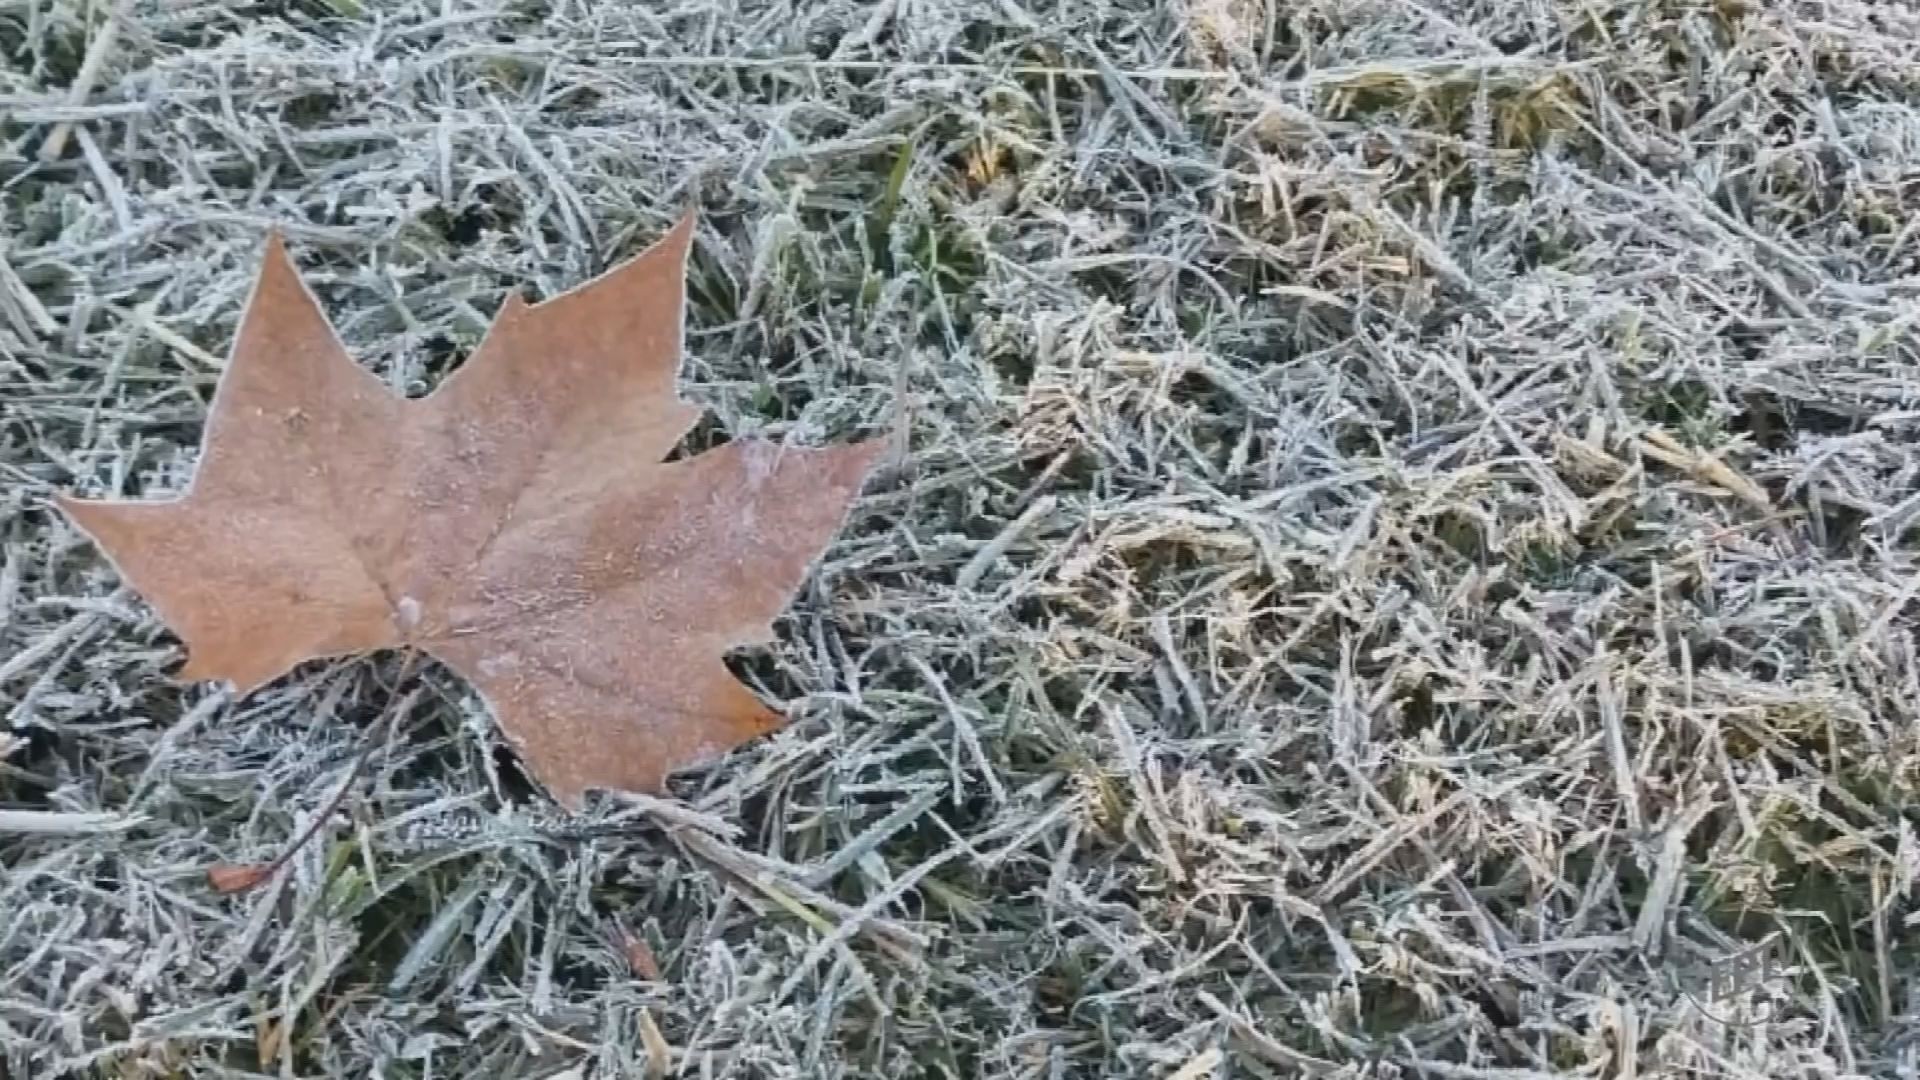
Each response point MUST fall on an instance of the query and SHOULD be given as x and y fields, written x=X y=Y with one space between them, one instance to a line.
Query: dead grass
x=1401 y=564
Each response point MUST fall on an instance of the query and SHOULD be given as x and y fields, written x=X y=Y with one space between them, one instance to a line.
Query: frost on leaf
x=518 y=524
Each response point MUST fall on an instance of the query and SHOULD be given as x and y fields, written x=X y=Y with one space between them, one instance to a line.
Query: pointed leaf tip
x=513 y=306
x=856 y=461
x=273 y=249
x=274 y=271
x=94 y=517
x=680 y=235
x=672 y=245
x=74 y=509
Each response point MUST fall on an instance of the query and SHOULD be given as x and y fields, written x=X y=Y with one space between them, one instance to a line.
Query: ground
x=1396 y=558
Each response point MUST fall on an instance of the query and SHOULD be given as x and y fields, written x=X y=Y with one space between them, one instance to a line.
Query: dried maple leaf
x=517 y=524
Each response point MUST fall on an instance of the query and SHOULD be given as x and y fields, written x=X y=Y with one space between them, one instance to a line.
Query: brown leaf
x=232 y=877
x=639 y=955
x=517 y=524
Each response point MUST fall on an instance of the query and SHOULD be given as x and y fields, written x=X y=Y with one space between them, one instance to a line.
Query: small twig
x=990 y=552
x=63 y=823
x=96 y=58
x=1665 y=448
x=239 y=877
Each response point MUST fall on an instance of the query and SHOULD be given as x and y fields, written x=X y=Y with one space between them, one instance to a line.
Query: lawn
x=1396 y=557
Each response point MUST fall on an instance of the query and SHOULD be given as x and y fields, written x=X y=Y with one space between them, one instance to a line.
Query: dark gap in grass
x=486 y=207
x=1838 y=528
x=707 y=433
x=789 y=391
x=1688 y=408
x=1013 y=365
x=13 y=44
x=311 y=110
x=528 y=14
x=309 y=15
x=1461 y=533
x=382 y=927
x=1775 y=423
x=515 y=785
x=30 y=775
x=1152 y=562
x=763 y=673
x=443 y=357
x=579 y=974
x=462 y=227
x=1417 y=707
